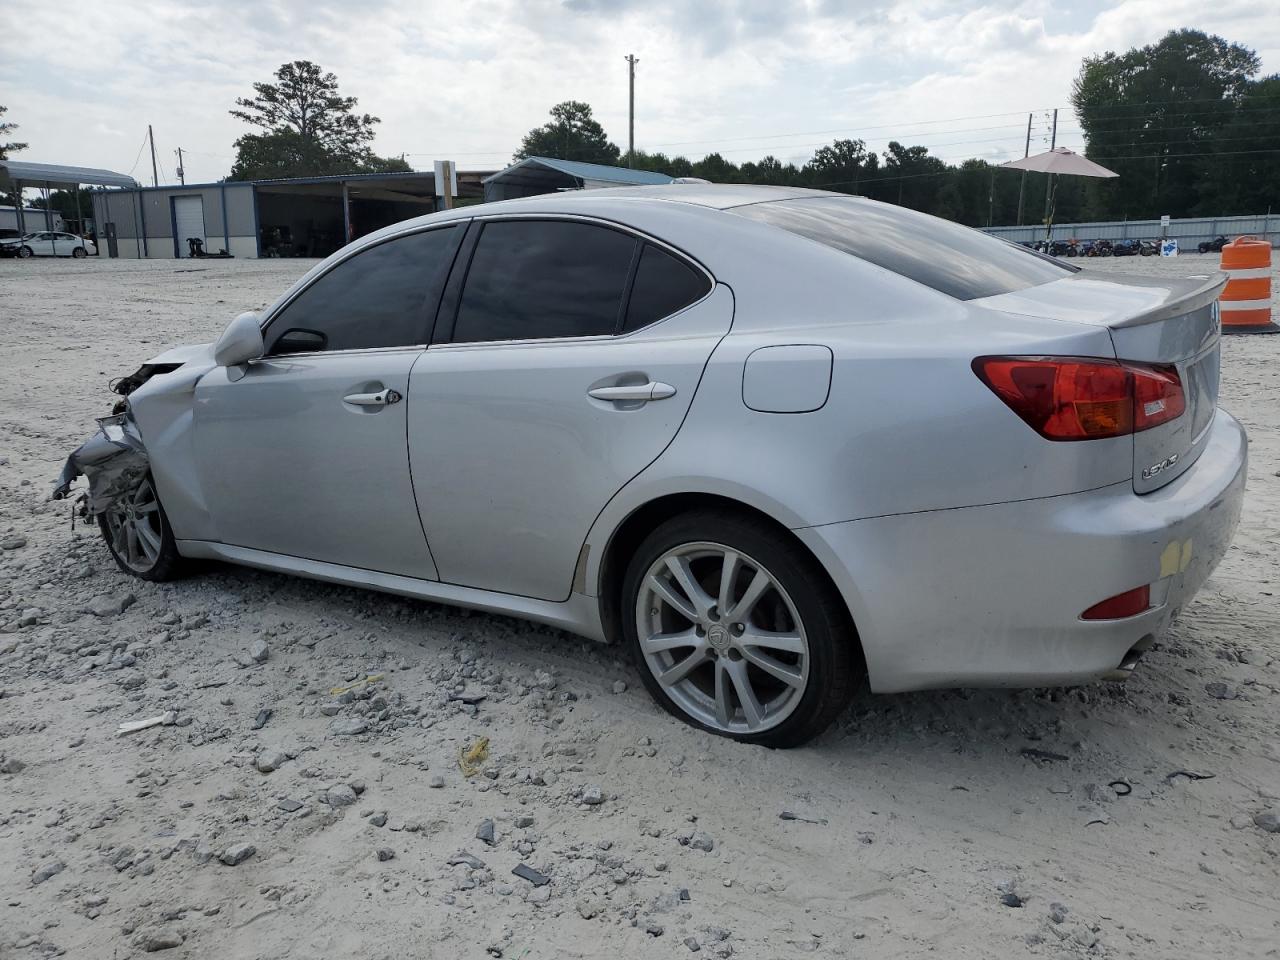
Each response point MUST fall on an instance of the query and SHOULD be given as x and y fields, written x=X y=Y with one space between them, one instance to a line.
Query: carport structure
x=536 y=175
x=313 y=216
x=297 y=217
x=52 y=176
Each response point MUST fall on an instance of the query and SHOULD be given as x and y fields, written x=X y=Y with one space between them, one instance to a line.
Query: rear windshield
x=955 y=260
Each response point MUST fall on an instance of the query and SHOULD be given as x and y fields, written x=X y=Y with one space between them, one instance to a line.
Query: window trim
x=446 y=326
x=430 y=313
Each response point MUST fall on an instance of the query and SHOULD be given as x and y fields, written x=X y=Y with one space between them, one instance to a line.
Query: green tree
x=305 y=100
x=717 y=169
x=769 y=170
x=1154 y=114
x=661 y=163
x=6 y=128
x=912 y=178
x=845 y=166
x=7 y=147
x=1243 y=176
x=63 y=202
x=571 y=134
x=310 y=129
x=283 y=154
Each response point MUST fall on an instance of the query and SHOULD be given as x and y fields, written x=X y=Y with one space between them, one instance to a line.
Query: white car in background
x=49 y=243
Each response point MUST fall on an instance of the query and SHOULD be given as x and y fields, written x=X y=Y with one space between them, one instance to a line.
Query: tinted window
x=663 y=285
x=955 y=260
x=384 y=296
x=544 y=278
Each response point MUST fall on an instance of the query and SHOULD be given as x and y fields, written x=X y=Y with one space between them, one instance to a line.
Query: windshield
x=959 y=261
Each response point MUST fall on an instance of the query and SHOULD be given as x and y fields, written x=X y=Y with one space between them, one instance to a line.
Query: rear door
x=303 y=452
x=571 y=352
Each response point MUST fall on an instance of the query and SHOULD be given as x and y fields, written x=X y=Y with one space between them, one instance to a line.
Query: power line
x=142 y=146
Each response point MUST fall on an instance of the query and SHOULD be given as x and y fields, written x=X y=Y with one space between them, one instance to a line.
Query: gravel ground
x=308 y=796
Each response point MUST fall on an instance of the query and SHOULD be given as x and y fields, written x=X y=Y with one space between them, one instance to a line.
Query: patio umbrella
x=1063 y=161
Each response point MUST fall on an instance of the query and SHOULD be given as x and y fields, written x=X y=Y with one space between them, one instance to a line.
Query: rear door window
x=664 y=284
x=384 y=296
x=958 y=261
x=538 y=279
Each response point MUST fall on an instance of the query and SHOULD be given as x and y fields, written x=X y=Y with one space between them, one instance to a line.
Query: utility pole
x=155 y=177
x=1026 y=152
x=1048 y=190
x=182 y=174
x=632 y=60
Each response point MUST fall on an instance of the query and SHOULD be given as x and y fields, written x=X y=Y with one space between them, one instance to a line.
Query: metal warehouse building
x=306 y=217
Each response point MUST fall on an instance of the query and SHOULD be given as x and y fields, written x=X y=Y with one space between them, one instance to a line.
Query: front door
x=303 y=452
x=574 y=357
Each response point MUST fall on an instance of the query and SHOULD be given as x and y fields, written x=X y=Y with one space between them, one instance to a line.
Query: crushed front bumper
x=992 y=595
x=113 y=459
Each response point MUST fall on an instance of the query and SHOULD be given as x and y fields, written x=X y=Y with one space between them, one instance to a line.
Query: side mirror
x=240 y=342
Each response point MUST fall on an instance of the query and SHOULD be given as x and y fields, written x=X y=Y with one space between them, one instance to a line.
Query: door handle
x=637 y=391
x=379 y=399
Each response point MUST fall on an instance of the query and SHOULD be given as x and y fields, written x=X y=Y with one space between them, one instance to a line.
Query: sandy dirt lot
x=1139 y=840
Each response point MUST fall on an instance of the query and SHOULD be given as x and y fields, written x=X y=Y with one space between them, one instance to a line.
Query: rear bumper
x=992 y=596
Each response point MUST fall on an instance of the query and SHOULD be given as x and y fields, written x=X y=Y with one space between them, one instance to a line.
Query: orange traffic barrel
x=1246 y=300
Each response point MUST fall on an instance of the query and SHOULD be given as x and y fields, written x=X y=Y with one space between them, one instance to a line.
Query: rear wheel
x=736 y=630
x=137 y=533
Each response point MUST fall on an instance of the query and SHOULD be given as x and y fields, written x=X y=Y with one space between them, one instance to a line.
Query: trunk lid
x=1150 y=320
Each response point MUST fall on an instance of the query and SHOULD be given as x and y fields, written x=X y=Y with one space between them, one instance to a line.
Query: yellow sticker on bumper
x=1175 y=558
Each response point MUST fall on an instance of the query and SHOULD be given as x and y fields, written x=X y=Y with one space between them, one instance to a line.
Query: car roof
x=719 y=196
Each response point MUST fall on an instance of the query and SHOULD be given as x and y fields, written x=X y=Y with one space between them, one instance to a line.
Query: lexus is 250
x=774 y=441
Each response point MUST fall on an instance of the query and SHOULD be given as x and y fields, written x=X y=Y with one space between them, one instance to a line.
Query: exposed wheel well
x=636 y=527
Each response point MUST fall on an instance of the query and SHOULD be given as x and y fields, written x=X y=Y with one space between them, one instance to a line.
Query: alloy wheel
x=135 y=528
x=722 y=638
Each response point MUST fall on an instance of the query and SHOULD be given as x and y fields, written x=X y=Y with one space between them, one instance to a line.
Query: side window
x=663 y=285
x=544 y=278
x=384 y=296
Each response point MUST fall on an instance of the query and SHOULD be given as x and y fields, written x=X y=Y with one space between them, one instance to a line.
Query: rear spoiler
x=1185 y=295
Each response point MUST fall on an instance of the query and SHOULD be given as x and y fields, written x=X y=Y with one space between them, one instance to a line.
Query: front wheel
x=736 y=630
x=138 y=535
x=79 y=252
x=25 y=252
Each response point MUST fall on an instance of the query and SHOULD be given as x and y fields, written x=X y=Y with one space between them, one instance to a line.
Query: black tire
x=25 y=252
x=834 y=657
x=167 y=564
x=79 y=252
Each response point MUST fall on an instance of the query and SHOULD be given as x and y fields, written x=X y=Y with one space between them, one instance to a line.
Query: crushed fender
x=114 y=460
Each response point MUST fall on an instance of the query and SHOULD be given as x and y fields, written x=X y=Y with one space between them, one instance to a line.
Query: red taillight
x=1080 y=398
x=1127 y=604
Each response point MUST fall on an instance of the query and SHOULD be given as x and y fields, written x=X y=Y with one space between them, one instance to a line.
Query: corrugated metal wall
x=1191 y=230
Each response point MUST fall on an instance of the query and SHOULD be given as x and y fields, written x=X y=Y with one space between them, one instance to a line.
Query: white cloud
x=468 y=80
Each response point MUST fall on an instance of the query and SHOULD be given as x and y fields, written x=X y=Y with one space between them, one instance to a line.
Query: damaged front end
x=114 y=460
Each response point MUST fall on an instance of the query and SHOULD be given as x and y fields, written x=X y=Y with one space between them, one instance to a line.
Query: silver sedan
x=773 y=441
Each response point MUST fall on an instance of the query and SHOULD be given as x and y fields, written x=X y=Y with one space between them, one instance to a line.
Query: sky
x=466 y=80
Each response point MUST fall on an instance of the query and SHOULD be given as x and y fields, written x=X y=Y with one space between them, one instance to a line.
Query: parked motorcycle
x=1149 y=248
x=1126 y=248
x=1213 y=246
x=1084 y=248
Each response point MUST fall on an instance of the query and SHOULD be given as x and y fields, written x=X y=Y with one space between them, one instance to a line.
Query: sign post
x=446 y=179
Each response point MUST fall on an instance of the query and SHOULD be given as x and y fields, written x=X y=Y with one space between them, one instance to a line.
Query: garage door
x=188 y=215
